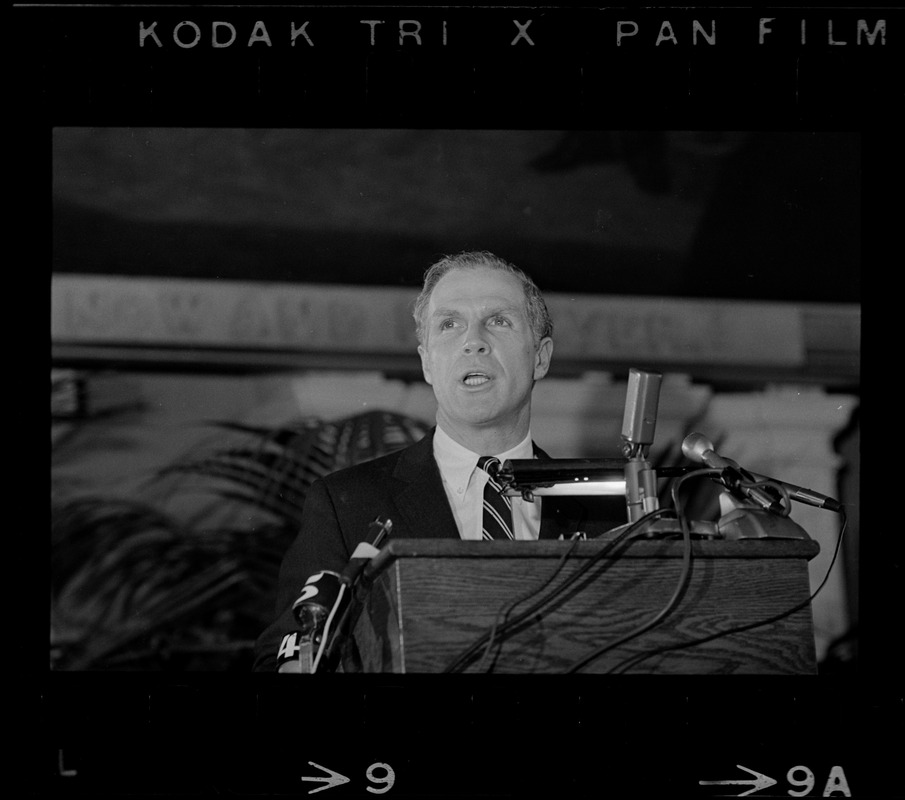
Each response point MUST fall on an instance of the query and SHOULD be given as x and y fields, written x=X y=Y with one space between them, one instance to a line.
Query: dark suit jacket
x=404 y=486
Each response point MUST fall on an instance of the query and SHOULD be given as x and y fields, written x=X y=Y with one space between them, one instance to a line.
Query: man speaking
x=485 y=338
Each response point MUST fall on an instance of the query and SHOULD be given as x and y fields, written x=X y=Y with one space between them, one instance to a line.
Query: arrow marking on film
x=335 y=779
x=759 y=782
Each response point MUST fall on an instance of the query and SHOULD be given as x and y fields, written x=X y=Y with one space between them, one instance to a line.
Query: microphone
x=323 y=599
x=640 y=418
x=698 y=448
x=327 y=595
x=317 y=600
x=378 y=530
x=638 y=424
x=802 y=495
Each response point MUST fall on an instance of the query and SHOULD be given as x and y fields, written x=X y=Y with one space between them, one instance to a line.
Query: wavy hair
x=538 y=316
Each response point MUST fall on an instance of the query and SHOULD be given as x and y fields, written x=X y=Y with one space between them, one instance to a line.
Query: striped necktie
x=497 y=507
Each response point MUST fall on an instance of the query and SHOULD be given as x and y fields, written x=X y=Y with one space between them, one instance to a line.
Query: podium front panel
x=431 y=600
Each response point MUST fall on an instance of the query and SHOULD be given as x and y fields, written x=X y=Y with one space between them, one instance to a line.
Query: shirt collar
x=457 y=462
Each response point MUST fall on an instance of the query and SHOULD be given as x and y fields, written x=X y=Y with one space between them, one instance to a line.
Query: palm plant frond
x=192 y=563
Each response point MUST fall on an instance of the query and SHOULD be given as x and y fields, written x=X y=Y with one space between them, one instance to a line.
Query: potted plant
x=183 y=576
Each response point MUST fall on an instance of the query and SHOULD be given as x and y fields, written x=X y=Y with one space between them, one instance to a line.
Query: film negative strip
x=182 y=732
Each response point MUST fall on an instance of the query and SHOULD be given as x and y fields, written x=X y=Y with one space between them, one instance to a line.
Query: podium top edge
x=550 y=548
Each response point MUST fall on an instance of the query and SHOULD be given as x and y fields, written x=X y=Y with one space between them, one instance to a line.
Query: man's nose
x=475 y=342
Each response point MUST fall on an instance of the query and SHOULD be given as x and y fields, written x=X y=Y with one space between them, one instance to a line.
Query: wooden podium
x=429 y=600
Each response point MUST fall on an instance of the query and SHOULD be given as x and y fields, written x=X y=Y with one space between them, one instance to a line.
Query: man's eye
x=447 y=324
x=499 y=321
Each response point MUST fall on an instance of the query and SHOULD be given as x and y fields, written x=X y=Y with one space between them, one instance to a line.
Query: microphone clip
x=640 y=488
x=748 y=491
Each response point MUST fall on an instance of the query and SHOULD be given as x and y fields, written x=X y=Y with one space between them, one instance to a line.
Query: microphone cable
x=636 y=659
x=466 y=657
x=680 y=585
x=325 y=635
x=508 y=607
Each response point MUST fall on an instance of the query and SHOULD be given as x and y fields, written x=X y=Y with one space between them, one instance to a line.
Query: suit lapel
x=421 y=498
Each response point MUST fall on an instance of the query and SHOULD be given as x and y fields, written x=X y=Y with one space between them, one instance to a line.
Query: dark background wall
x=718 y=214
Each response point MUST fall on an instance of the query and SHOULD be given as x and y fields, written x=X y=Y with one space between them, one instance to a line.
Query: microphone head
x=695 y=445
x=641 y=400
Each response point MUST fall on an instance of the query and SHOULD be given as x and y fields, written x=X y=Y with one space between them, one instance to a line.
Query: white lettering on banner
x=89 y=309
x=107 y=313
x=377 y=319
x=293 y=318
x=249 y=321
x=181 y=312
x=677 y=330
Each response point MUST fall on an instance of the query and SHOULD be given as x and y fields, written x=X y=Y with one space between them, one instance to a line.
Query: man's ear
x=542 y=358
x=425 y=366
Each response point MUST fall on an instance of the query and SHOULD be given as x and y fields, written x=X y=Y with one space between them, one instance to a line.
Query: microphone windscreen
x=694 y=446
x=641 y=400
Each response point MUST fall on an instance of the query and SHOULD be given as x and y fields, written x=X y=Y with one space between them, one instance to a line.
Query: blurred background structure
x=231 y=317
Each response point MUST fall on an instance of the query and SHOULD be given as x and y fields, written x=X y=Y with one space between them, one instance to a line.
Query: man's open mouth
x=476 y=378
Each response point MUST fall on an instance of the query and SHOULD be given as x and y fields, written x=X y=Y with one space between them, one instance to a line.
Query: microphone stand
x=640 y=482
x=740 y=518
x=641 y=498
x=744 y=519
x=638 y=425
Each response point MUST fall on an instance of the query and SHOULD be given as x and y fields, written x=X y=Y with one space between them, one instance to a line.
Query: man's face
x=478 y=353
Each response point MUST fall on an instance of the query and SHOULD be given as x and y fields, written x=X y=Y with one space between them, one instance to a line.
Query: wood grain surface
x=431 y=600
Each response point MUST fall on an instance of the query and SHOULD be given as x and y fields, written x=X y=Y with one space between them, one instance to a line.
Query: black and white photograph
x=457 y=401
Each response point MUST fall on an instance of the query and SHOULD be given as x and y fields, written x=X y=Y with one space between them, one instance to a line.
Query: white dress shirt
x=464 y=484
